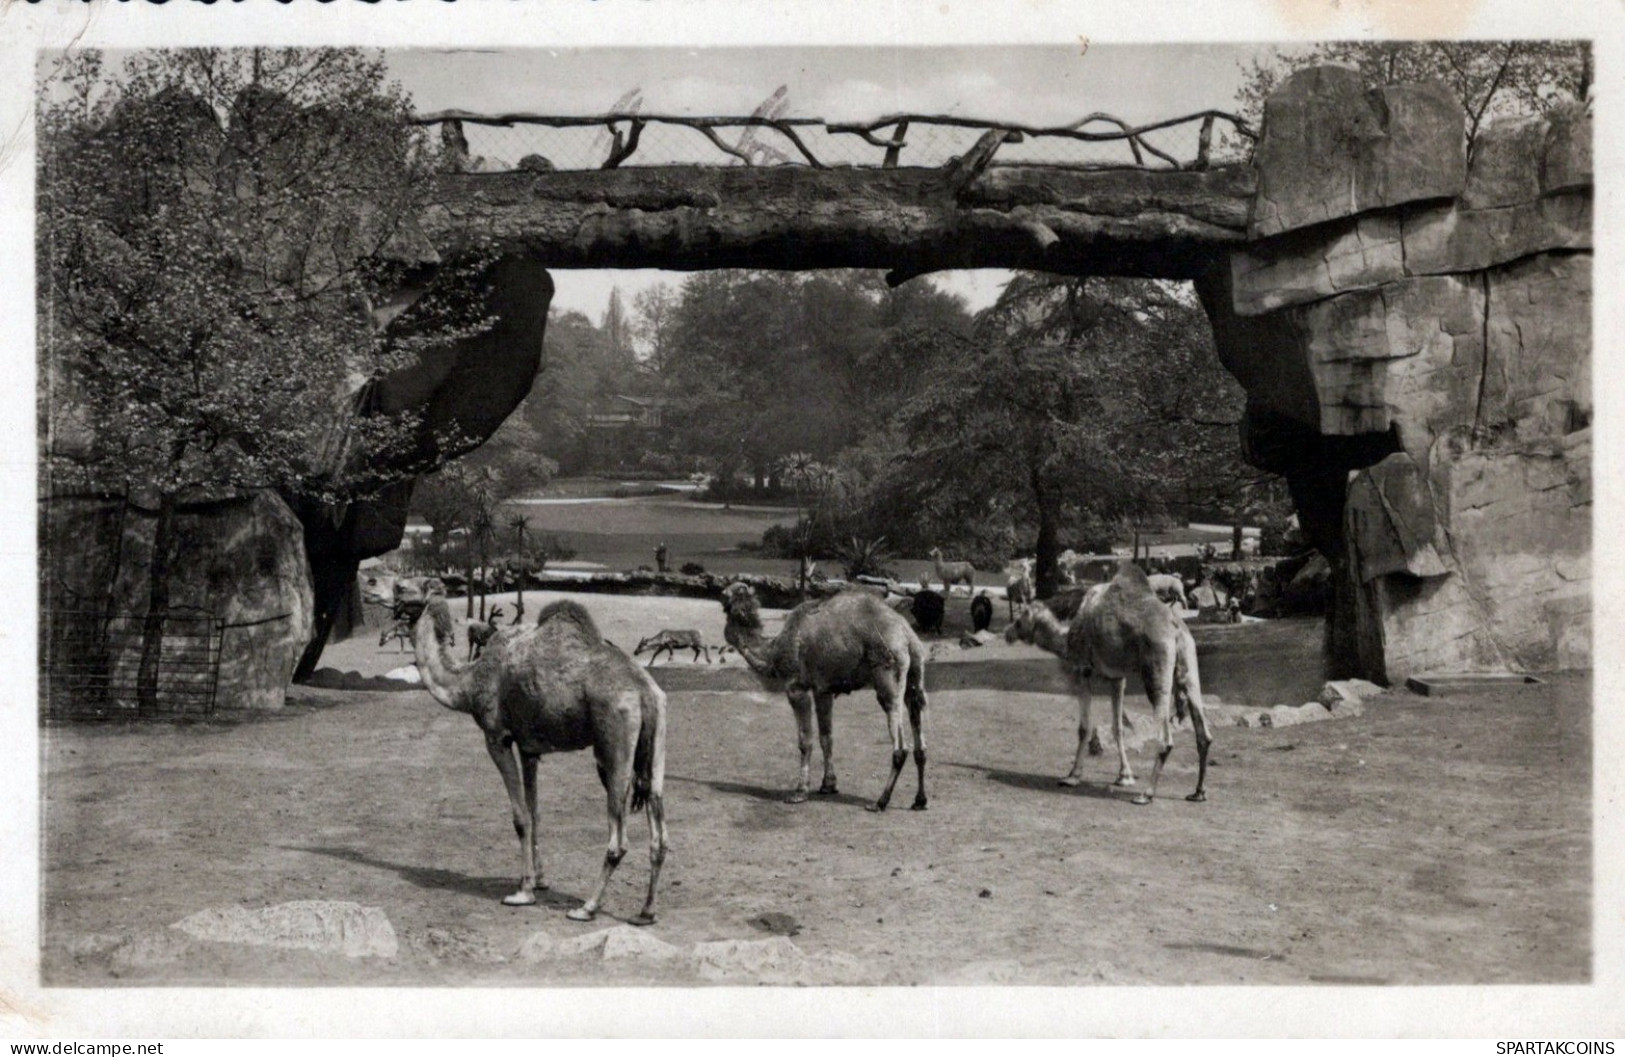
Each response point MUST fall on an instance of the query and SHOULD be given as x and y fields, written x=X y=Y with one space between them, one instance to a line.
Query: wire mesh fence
x=501 y=143
x=92 y=662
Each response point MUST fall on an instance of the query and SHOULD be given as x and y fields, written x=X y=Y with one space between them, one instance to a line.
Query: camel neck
x=1049 y=633
x=756 y=651
x=442 y=677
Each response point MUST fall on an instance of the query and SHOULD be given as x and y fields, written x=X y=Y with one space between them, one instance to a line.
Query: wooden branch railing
x=624 y=143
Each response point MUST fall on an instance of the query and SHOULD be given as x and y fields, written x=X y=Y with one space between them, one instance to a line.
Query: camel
x=558 y=686
x=404 y=597
x=833 y=646
x=669 y=642
x=1168 y=588
x=951 y=573
x=1122 y=627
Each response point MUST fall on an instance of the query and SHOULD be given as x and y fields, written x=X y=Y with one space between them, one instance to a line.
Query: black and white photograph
x=755 y=513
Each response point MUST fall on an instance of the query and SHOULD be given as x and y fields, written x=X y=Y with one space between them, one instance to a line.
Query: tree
x=1490 y=78
x=761 y=364
x=461 y=499
x=1077 y=405
x=218 y=232
x=653 y=310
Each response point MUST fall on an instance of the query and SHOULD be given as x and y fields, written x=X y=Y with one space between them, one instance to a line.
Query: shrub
x=865 y=557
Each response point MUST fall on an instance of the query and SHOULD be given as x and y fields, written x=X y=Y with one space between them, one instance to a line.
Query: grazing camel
x=1018 y=589
x=1122 y=627
x=670 y=641
x=950 y=573
x=834 y=646
x=559 y=687
x=1168 y=588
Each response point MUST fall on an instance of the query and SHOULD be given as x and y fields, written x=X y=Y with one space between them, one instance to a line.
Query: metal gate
x=91 y=663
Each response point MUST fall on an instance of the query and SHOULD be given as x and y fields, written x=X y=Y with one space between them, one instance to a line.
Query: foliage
x=760 y=365
x=207 y=312
x=865 y=557
x=221 y=237
x=1078 y=406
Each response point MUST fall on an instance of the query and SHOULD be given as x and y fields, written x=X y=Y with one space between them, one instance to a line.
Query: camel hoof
x=1197 y=797
x=1142 y=800
x=797 y=797
x=642 y=919
x=1069 y=781
x=519 y=899
x=581 y=914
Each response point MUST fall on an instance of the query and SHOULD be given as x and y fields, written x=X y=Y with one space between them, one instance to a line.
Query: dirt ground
x=1402 y=846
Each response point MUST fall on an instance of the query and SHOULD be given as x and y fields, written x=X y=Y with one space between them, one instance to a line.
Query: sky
x=1032 y=85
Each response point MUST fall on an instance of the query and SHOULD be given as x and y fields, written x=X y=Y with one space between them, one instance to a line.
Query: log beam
x=1155 y=223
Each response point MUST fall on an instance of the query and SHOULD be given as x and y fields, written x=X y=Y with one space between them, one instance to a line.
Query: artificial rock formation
x=1413 y=331
x=238 y=561
x=467 y=388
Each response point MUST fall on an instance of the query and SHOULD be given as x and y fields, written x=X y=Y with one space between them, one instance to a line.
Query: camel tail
x=915 y=685
x=648 y=759
x=1186 y=678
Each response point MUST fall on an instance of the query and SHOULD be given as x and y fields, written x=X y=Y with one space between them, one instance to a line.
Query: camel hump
x=572 y=612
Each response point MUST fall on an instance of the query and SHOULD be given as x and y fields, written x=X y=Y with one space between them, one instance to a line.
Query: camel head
x=741 y=607
x=377 y=588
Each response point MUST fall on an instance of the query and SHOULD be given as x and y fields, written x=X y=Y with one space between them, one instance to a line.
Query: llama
x=950 y=573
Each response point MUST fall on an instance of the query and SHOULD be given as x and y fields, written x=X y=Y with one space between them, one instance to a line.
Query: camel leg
x=1125 y=774
x=617 y=780
x=1190 y=686
x=657 y=856
x=1159 y=687
x=899 y=750
x=825 y=705
x=801 y=702
x=527 y=766
x=502 y=754
x=1203 y=739
x=1080 y=686
x=914 y=698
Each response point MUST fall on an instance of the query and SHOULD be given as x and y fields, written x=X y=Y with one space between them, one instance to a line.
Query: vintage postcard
x=946 y=521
